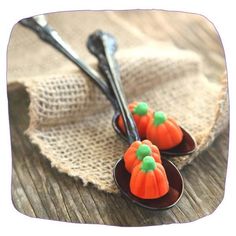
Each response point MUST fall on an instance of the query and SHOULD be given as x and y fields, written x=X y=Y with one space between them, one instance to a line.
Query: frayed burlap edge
x=219 y=124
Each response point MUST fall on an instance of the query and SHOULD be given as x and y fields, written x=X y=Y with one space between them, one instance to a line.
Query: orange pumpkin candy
x=141 y=115
x=137 y=151
x=149 y=180
x=163 y=131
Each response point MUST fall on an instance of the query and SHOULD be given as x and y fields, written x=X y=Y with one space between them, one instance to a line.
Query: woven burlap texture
x=70 y=119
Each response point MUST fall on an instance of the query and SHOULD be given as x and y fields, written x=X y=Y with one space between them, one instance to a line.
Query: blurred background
x=28 y=56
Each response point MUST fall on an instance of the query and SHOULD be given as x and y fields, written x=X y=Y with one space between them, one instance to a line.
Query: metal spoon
x=40 y=25
x=46 y=33
x=121 y=176
x=188 y=144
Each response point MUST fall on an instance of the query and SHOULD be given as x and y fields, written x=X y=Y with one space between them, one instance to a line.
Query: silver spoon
x=40 y=25
x=105 y=45
x=188 y=144
x=46 y=33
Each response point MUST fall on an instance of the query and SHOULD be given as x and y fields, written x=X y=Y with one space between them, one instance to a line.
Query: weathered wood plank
x=20 y=200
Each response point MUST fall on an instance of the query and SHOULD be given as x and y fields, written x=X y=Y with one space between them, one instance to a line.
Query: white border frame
x=220 y=13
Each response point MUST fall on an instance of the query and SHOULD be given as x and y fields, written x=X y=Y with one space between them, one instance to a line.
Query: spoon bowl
x=176 y=186
x=186 y=147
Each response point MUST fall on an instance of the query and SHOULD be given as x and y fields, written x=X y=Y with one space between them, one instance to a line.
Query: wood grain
x=38 y=190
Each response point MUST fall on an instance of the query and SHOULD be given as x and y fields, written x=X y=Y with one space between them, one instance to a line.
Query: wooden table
x=41 y=191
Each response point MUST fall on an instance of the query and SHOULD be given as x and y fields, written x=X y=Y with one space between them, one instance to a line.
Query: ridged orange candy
x=149 y=180
x=141 y=115
x=163 y=131
x=137 y=151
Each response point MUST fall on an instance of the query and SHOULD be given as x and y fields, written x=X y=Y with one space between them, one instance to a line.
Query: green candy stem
x=141 y=109
x=159 y=118
x=142 y=151
x=148 y=164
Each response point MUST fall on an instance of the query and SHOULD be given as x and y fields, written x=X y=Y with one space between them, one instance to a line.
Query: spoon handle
x=113 y=75
x=40 y=25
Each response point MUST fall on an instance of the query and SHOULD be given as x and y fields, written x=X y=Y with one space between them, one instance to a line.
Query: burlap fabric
x=70 y=119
